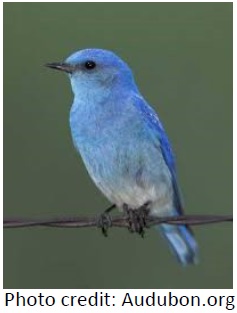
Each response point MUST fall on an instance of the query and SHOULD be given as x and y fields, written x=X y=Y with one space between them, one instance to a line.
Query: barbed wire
x=115 y=221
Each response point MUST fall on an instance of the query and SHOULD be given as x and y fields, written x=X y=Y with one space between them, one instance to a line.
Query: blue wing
x=180 y=237
x=154 y=123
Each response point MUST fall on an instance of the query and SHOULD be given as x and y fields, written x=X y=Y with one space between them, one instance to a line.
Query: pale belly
x=126 y=178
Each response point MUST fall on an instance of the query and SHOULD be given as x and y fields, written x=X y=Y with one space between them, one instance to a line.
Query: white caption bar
x=112 y=300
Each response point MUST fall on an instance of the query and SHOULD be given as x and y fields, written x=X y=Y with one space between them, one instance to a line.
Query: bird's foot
x=137 y=219
x=104 y=221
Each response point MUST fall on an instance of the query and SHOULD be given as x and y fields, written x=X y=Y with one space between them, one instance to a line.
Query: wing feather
x=158 y=132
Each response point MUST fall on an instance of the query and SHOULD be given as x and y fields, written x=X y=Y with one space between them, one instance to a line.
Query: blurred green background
x=181 y=55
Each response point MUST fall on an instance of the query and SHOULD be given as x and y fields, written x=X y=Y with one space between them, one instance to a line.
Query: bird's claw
x=137 y=219
x=104 y=222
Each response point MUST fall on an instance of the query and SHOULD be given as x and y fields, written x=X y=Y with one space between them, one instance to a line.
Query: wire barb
x=116 y=221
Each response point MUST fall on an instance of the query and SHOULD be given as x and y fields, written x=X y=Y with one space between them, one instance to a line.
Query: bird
x=123 y=144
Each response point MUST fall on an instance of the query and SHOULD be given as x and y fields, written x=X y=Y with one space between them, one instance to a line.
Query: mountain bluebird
x=123 y=143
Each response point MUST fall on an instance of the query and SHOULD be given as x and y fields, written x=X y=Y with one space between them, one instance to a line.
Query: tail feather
x=182 y=243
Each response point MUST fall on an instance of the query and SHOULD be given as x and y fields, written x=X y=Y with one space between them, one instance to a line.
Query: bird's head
x=95 y=69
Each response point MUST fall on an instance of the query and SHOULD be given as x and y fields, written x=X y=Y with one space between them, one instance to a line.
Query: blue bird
x=123 y=143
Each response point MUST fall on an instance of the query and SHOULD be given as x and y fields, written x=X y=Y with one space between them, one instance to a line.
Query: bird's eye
x=89 y=65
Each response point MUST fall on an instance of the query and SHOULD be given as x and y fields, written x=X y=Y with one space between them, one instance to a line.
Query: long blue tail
x=182 y=243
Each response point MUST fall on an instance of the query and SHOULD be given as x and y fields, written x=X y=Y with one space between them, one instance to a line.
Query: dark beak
x=61 y=67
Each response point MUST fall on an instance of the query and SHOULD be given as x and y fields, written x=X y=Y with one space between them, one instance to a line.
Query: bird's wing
x=158 y=132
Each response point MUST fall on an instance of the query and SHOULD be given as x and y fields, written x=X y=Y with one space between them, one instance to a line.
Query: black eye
x=89 y=65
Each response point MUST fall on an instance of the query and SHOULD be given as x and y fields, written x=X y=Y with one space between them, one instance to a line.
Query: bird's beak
x=61 y=67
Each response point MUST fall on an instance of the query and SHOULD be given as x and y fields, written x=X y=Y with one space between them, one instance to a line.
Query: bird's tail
x=182 y=243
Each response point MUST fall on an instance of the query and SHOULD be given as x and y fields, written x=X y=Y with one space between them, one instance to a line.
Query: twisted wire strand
x=116 y=221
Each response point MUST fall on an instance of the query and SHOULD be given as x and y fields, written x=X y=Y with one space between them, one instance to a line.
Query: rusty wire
x=115 y=221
